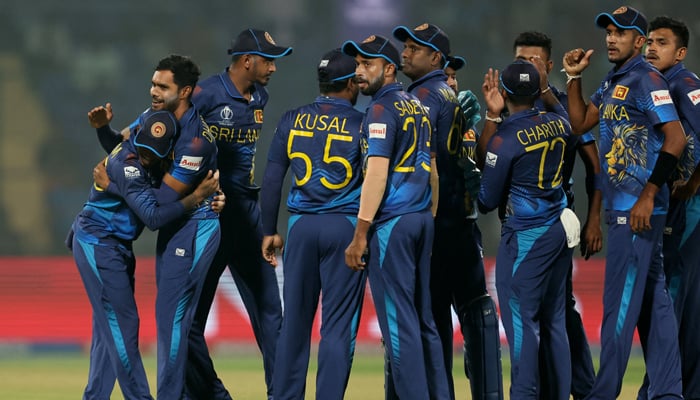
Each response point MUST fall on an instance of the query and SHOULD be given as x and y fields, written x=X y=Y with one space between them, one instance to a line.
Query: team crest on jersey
x=620 y=92
x=269 y=39
x=377 y=131
x=226 y=115
x=191 y=163
x=131 y=172
x=258 y=116
x=694 y=97
x=661 y=97
x=491 y=159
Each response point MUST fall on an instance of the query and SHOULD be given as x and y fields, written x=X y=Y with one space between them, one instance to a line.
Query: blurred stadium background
x=59 y=59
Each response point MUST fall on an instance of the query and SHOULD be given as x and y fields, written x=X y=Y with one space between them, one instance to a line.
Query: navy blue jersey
x=572 y=145
x=320 y=143
x=236 y=124
x=632 y=102
x=685 y=92
x=448 y=124
x=194 y=156
x=130 y=202
x=396 y=126
x=524 y=162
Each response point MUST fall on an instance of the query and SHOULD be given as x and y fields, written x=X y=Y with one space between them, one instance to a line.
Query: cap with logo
x=426 y=35
x=455 y=62
x=374 y=46
x=256 y=41
x=624 y=18
x=521 y=78
x=335 y=66
x=158 y=132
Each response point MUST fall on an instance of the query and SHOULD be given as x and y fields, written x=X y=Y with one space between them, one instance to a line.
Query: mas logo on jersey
x=620 y=92
x=694 y=97
x=491 y=159
x=191 y=163
x=258 y=116
x=661 y=97
x=377 y=131
x=131 y=172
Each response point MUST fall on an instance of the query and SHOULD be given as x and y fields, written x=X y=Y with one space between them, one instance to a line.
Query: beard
x=374 y=85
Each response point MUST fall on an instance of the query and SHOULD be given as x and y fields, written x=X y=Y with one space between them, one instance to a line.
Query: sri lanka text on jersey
x=225 y=134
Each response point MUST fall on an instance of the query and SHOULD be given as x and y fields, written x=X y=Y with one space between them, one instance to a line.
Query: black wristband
x=665 y=164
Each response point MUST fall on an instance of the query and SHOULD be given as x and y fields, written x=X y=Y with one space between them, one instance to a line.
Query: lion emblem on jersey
x=626 y=160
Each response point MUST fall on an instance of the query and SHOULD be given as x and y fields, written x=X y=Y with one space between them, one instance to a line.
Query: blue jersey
x=523 y=162
x=194 y=155
x=396 y=126
x=121 y=211
x=448 y=124
x=320 y=142
x=632 y=102
x=572 y=145
x=236 y=124
x=685 y=92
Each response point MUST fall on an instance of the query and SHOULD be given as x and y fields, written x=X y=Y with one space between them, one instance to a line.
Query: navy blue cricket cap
x=521 y=78
x=336 y=66
x=455 y=62
x=426 y=35
x=624 y=18
x=374 y=46
x=256 y=41
x=158 y=132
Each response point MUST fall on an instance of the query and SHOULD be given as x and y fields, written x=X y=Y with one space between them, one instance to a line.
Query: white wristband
x=497 y=120
x=570 y=78
x=549 y=89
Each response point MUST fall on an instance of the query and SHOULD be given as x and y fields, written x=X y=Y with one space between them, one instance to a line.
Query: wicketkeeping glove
x=470 y=108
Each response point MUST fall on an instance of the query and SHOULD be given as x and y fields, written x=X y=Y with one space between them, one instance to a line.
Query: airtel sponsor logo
x=192 y=163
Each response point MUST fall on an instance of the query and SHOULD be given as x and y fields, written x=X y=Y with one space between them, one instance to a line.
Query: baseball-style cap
x=521 y=78
x=374 y=46
x=455 y=62
x=335 y=66
x=427 y=35
x=624 y=18
x=158 y=132
x=255 y=41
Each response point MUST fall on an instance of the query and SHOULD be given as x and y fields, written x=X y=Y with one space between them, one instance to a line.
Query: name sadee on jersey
x=412 y=107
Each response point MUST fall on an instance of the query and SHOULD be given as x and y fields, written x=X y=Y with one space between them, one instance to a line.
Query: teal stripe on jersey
x=526 y=239
x=630 y=280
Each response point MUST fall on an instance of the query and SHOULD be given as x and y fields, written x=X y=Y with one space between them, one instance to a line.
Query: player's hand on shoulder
x=99 y=175
x=209 y=185
x=100 y=116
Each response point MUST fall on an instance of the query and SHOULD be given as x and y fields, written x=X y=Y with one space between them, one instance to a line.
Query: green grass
x=63 y=376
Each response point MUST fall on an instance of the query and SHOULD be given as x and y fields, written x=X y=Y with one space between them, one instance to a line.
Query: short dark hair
x=332 y=87
x=536 y=39
x=185 y=71
x=678 y=27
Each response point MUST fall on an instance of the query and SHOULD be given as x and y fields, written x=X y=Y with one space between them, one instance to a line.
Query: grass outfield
x=63 y=376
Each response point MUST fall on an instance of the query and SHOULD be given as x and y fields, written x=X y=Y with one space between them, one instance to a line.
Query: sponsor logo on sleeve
x=131 y=172
x=190 y=162
x=620 y=92
x=661 y=97
x=491 y=159
x=377 y=131
x=694 y=97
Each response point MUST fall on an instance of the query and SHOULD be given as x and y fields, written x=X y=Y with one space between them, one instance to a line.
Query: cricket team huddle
x=391 y=196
